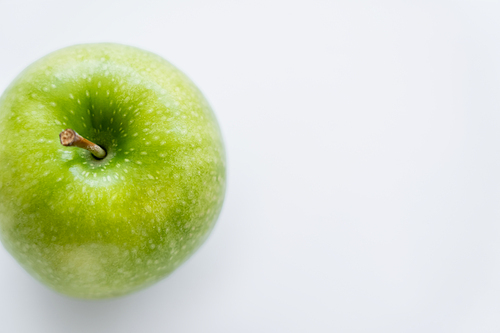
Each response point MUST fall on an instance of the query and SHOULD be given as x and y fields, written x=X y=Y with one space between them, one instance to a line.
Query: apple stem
x=68 y=138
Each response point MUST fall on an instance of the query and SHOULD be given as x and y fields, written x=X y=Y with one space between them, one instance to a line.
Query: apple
x=99 y=225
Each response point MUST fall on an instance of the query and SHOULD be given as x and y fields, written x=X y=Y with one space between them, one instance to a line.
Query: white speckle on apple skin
x=60 y=218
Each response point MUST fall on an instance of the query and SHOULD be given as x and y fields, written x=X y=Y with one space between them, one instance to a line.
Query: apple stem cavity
x=69 y=138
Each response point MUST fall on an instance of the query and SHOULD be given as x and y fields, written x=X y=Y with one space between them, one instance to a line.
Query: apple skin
x=92 y=228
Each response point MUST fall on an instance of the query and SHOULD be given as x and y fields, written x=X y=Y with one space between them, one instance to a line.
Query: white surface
x=364 y=168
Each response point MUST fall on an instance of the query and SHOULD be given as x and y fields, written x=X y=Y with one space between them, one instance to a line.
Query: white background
x=364 y=164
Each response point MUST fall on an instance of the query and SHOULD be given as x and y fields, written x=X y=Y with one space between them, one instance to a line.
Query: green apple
x=94 y=227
